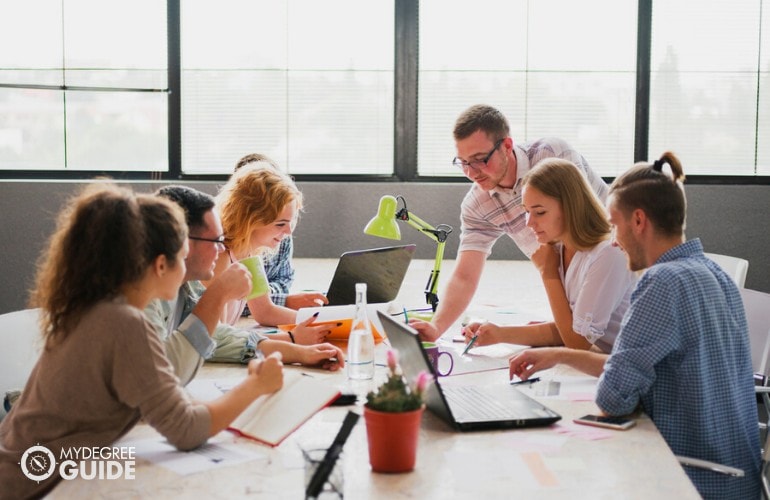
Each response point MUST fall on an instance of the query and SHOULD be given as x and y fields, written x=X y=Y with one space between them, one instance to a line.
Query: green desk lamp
x=384 y=225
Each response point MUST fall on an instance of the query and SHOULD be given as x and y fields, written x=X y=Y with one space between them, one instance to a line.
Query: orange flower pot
x=392 y=439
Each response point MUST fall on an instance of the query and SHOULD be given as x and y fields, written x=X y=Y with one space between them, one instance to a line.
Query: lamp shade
x=384 y=223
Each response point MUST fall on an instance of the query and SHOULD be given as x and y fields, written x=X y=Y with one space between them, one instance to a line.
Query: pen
x=470 y=344
x=326 y=466
x=528 y=381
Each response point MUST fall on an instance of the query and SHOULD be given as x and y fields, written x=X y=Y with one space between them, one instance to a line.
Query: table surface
x=560 y=461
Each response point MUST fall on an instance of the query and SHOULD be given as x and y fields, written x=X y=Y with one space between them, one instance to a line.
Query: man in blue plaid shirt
x=683 y=350
x=682 y=354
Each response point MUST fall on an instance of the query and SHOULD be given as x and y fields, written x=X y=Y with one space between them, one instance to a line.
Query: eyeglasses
x=219 y=240
x=476 y=164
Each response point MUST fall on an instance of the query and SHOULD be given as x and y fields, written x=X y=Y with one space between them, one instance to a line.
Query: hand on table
x=326 y=356
x=526 y=363
x=306 y=299
x=427 y=331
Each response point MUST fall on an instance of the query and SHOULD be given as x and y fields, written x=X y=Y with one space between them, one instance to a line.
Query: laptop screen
x=413 y=360
x=382 y=269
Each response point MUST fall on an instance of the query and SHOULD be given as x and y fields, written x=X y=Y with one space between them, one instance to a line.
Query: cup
x=259 y=285
x=335 y=485
x=434 y=355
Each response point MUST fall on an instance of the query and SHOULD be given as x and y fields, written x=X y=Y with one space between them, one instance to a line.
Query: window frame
x=406 y=39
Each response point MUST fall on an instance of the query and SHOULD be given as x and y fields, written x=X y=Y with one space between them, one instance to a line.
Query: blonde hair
x=253 y=197
x=585 y=217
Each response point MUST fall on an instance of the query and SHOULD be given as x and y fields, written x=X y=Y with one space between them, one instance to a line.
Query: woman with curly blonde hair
x=259 y=207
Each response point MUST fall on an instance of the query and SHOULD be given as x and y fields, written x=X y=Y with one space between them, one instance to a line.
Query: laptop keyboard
x=476 y=403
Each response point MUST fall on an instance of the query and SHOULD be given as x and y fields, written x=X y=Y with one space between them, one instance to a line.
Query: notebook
x=270 y=419
x=382 y=269
x=467 y=408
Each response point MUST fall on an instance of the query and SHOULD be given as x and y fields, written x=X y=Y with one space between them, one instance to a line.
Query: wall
x=731 y=220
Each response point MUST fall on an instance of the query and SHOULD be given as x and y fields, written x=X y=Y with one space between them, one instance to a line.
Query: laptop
x=466 y=408
x=382 y=269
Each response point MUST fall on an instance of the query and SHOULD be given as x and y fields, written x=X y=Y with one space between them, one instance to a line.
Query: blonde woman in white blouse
x=586 y=279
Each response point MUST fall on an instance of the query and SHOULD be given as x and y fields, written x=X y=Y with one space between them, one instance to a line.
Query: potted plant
x=392 y=414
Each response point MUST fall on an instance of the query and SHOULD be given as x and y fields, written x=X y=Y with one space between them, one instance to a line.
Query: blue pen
x=528 y=381
x=470 y=344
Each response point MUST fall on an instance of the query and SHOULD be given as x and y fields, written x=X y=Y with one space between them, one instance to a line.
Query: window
x=308 y=83
x=553 y=67
x=708 y=86
x=82 y=95
x=182 y=89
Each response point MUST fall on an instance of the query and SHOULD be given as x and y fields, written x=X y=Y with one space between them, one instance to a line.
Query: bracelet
x=291 y=336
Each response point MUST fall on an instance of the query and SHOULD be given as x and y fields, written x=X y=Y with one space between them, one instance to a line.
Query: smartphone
x=617 y=423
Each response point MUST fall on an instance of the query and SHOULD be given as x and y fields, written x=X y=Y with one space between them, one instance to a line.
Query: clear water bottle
x=361 y=344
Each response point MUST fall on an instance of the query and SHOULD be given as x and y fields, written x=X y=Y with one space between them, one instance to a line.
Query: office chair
x=757 y=306
x=736 y=267
x=19 y=349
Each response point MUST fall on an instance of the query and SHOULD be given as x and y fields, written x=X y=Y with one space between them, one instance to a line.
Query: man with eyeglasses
x=190 y=326
x=487 y=155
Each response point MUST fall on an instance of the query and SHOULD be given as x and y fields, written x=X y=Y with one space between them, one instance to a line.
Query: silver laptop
x=467 y=408
x=382 y=269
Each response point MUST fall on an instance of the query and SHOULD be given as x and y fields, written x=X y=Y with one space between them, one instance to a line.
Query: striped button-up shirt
x=487 y=215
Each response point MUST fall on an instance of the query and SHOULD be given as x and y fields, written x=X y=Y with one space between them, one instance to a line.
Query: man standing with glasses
x=488 y=156
x=190 y=326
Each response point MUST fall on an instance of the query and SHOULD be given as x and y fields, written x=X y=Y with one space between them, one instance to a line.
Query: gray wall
x=730 y=220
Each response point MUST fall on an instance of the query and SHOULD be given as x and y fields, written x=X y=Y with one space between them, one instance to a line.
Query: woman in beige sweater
x=103 y=366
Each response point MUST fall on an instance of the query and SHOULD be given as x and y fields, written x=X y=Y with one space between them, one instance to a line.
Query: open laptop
x=467 y=408
x=382 y=269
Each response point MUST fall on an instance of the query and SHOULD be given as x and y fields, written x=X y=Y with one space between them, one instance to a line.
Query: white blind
x=553 y=67
x=706 y=70
x=308 y=83
x=84 y=43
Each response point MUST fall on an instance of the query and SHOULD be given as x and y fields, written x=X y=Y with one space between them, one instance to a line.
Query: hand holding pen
x=481 y=333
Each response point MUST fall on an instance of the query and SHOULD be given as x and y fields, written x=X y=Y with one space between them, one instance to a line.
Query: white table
x=533 y=463
x=524 y=463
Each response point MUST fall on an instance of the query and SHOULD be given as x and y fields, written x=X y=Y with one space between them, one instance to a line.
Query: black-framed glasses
x=220 y=240
x=476 y=164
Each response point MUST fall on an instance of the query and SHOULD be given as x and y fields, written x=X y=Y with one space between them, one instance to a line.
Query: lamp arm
x=437 y=234
x=431 y=289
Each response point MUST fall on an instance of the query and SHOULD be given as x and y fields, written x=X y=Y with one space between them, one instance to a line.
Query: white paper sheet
x=212 y=455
